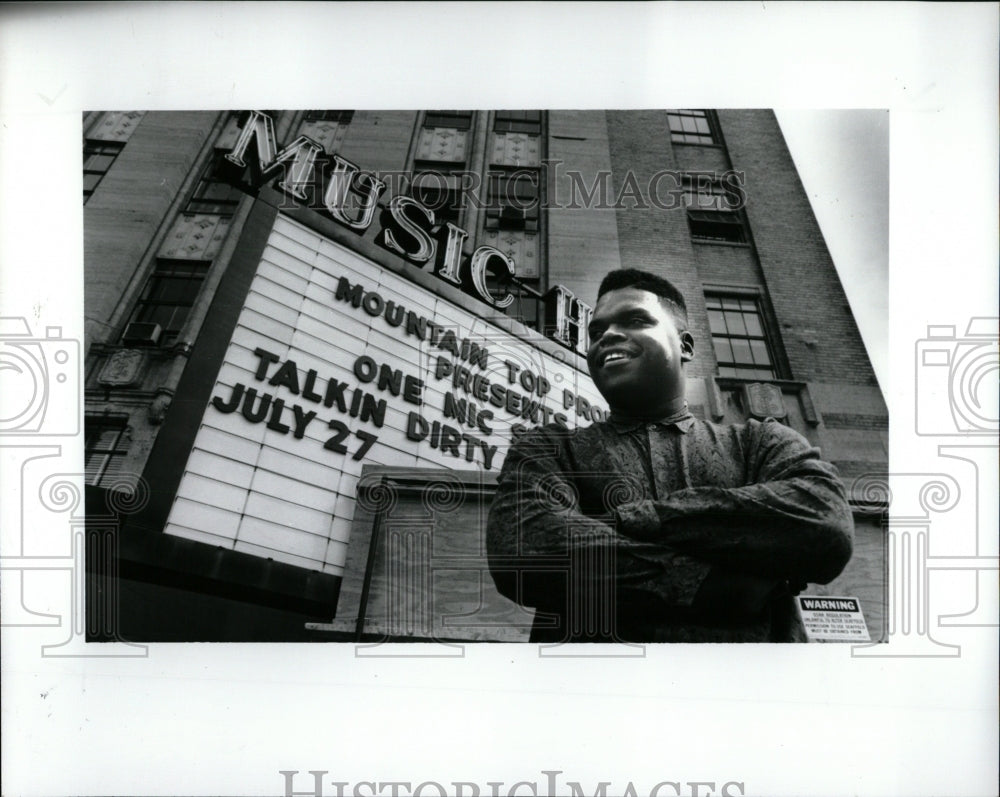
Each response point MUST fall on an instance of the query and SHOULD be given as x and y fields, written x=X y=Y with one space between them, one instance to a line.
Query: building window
x=326 y=128
x=437 y=186
x=738 y=335
x=513 y=200
x=340 y=117
x=105 y=448
x=170 y=294
x=691 y=127
x=713 y=212
x=213 y=193
x=457 y=120
x=528 y=122
x=717 y=226
x=97 y=159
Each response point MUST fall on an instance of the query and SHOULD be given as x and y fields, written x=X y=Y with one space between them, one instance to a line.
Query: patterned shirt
x=673 y=531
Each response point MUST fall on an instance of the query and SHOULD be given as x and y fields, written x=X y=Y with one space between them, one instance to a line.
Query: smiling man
x=656 y=526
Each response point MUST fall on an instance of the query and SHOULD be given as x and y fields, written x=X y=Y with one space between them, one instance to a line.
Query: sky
x=842 y=157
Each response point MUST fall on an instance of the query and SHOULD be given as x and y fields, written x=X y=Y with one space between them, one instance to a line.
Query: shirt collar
x=622 y=423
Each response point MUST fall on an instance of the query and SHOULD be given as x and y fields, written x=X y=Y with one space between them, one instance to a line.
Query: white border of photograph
x=226 y=719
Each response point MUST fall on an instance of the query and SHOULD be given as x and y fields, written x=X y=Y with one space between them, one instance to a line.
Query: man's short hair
x=645 y=281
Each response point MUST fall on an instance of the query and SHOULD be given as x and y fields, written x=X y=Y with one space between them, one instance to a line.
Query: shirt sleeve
x=539 y=542
x=791 y=522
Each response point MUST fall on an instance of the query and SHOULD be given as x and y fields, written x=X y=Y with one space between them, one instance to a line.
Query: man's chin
x=625 y=400
x=636 y=401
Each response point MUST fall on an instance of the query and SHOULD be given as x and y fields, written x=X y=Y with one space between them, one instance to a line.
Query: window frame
x=445 y=169
x=731 y=369
x=507 y=216
x=454 y=120
x=711 y=138
x=92 y=148
x=703 y=219
x=342 y=117
x=168 y=268
x=94 y=427
x=527 y=123
x=704 y=224
x=214 y=174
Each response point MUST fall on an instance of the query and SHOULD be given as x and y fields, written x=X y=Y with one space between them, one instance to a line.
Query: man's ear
x=687 y=347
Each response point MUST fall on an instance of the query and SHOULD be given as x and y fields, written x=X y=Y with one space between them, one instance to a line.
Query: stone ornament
x=764 y=401
x=122 y=368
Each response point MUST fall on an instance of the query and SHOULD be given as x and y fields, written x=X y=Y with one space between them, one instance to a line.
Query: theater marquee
x=335 y=363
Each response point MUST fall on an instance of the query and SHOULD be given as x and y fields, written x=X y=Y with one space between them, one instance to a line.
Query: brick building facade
x=195 y=264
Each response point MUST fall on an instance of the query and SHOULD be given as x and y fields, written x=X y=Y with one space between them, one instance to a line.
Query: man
x=654 y=525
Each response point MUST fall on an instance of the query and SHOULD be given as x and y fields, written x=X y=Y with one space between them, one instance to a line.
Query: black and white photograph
x=463 y=399
x=465 y=375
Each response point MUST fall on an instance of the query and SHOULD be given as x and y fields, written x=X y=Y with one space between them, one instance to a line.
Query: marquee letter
x=452 y=254
x=426 y=246
x=233 y=402
x=301 y=154
x=481 y=258
x=346 y=175
x=570 y=327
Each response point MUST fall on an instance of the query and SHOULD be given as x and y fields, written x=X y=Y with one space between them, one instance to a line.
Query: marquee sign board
x=336 y=362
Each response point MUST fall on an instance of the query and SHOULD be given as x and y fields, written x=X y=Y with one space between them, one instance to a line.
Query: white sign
x=834 y=619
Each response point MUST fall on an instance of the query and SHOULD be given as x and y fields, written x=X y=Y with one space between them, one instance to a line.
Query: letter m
x=599 y=188
x=348 y=294
x=600 y=791
x=296 y=161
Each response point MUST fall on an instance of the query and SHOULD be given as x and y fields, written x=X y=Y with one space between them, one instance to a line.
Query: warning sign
x=833 y=619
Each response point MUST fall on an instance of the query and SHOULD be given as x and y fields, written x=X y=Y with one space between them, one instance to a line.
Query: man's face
x=636 y=352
